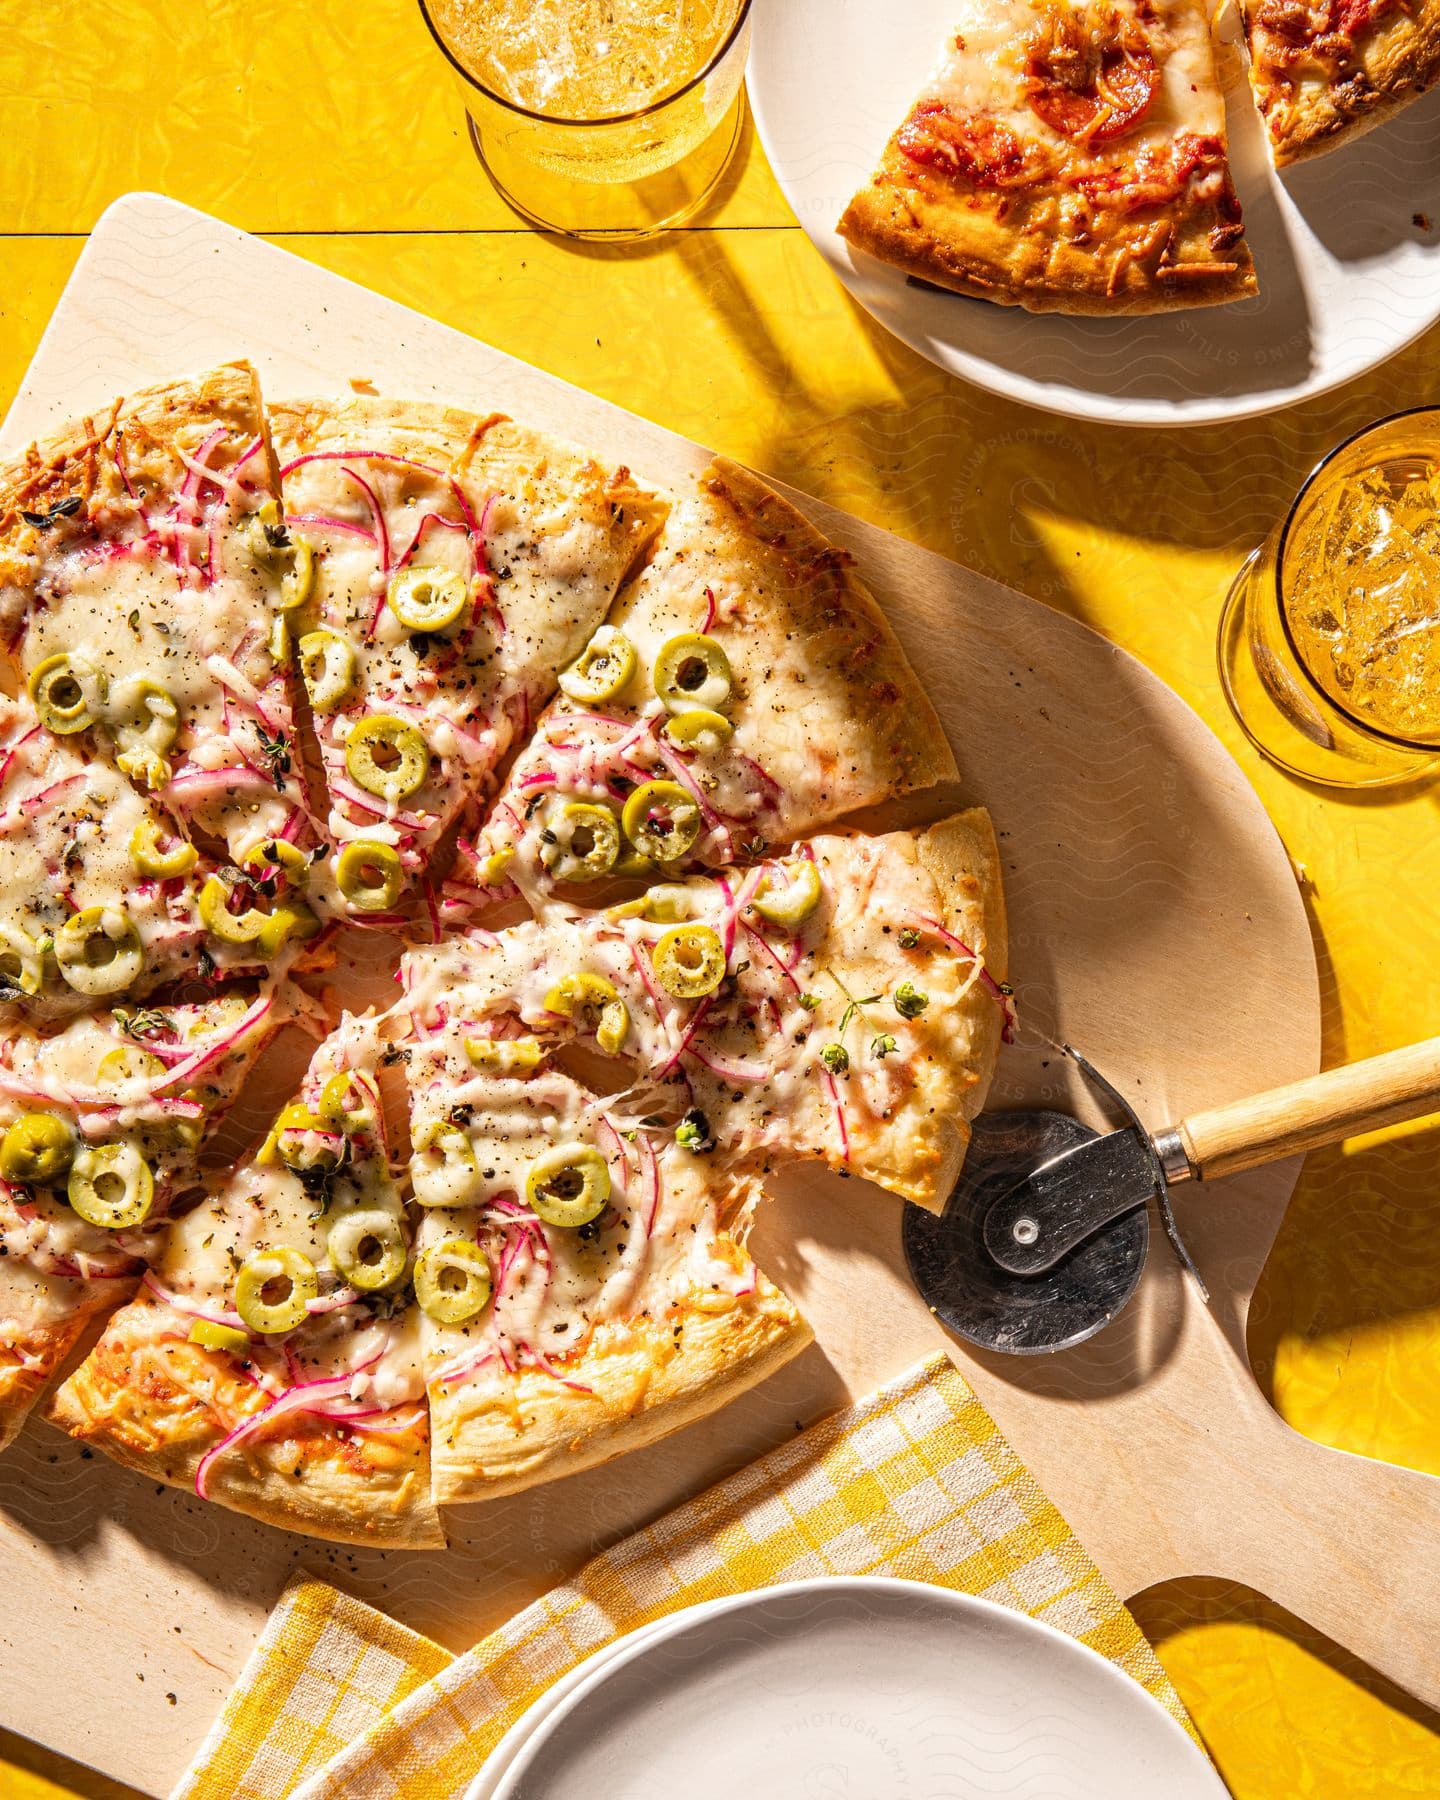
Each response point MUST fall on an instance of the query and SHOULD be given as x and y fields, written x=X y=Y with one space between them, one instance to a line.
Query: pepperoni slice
x=1091 y=74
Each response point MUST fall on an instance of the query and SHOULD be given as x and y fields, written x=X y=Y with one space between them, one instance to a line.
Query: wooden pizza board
x=1155 y=923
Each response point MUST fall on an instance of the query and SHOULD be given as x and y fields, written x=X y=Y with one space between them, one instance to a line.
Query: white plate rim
x=764 y=83
x=598 y=1669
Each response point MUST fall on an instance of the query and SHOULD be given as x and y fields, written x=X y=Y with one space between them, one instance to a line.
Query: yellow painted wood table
x=333 y=130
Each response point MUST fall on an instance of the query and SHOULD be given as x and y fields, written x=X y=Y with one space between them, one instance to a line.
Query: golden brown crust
x=496 y=1434
x=1315 y=102
x=157 y=1403
x=32 y=1357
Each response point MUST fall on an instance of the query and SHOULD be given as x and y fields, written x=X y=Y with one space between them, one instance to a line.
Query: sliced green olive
x=601 y=670
x=128 y=1062
x=491 y=871
x=277 y=856
x=349 y=1102
x=210 y=1334
x=303 y=1142
x=328 y=669
x=694 y=727
x=369 y=875
x=68 y=694
x=505 y=1056
x=99 y=950
x=452 y=1281
x=443 y=1170
x=22 y=960
x=425 y=598
x=368 y=1248
x=277 y=547
x=580 y=842
x=150 y=857
x=274 y=1288
x=794 y=899
x=661 y=820
x=146 y=722
x=689 y=961
x=568 y=1185
x=595 y=1005
x=692 y=671
x=111 y=1186
x=37 y=1150
x=268 y=931
x=387 y=757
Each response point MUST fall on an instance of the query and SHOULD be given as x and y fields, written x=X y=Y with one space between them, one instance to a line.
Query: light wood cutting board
x=1156 y=923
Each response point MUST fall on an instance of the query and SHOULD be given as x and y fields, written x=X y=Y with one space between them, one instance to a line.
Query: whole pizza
x=579 y=757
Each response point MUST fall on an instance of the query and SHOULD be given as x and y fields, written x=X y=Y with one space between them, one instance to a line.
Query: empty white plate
x=1347 y=275
x=850 y=1689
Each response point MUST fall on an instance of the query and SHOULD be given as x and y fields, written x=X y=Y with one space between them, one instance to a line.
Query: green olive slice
x=349 y=1102
x=689 y=961
x=146 y=722
x=369 y=874
x=427 y=598
x=328 y=669
x=661 y=820
x=594 y=1004
x=443 y=1169
x=387 y=757
x=128 y=1062
x=99 y=950
x=452 y=1281
x=155 y=853
x=505 y=1056
x=277 y=856
x=692 y=670
x=68 y=694
x=274 y=1288
x=22 y=960
x=268 y=932
x=210 y=1334
x=37 y=1150
x=568 y=1185
x=276 y=547
x=791 y=901
x=368 y=1248
x=111 y=1186
x=580 y=842
x=303 y=1142
x=602 y=668
x=692 y=728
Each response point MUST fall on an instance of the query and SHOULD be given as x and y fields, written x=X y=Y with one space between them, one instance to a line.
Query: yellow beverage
x=1361 y=590
x=584 y=59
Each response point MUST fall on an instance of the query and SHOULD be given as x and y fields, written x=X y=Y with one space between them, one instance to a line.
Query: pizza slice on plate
x=1065 y=157
x=101 y=1125
x=460 y=562
x=268 y=1361
x=745 y=691
x=1326 y=72
x=145 y=575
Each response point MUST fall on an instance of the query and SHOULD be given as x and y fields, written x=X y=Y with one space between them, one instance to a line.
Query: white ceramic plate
x=1347 y=278
x=844 y=1689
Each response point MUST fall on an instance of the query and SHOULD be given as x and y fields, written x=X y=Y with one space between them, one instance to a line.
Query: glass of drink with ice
x=603 y=119
x=1330 y=638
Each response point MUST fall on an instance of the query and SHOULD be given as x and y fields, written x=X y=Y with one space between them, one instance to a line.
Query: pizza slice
x=1066 y=156
x=460 y=562
x=585 y=1283
x=145 y=576
x=272 y=1360
x=1326 y=72
x=844 y=1004
x=101 y=1126
x=745 y=691
x=103 y=895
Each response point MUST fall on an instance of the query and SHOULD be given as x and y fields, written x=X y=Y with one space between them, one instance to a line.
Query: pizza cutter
x=1043 y=1240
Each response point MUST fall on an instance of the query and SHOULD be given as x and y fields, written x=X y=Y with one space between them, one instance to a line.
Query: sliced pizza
x=272 y=1360
x=584 y=1279
x=745 y=691
x=101 y=1126
x=1328 y=71
x=1065 y=156
x=145 y=577
x=845 y=1004
x=460 y=562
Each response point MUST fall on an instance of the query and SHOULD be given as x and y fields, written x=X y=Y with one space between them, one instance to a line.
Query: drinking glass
x=584 y=143
x=1329 y=645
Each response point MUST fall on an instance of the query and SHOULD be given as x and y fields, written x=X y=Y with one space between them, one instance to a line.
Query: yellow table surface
x=332 y=128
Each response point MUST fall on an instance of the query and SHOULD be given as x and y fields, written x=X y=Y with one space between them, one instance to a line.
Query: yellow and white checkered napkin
x=340 y=1703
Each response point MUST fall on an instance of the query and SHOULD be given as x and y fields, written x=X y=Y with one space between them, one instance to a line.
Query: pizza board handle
x=1306 y=1115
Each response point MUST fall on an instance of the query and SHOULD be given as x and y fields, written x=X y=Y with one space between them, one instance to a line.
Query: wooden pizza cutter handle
x=1306 y=1115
